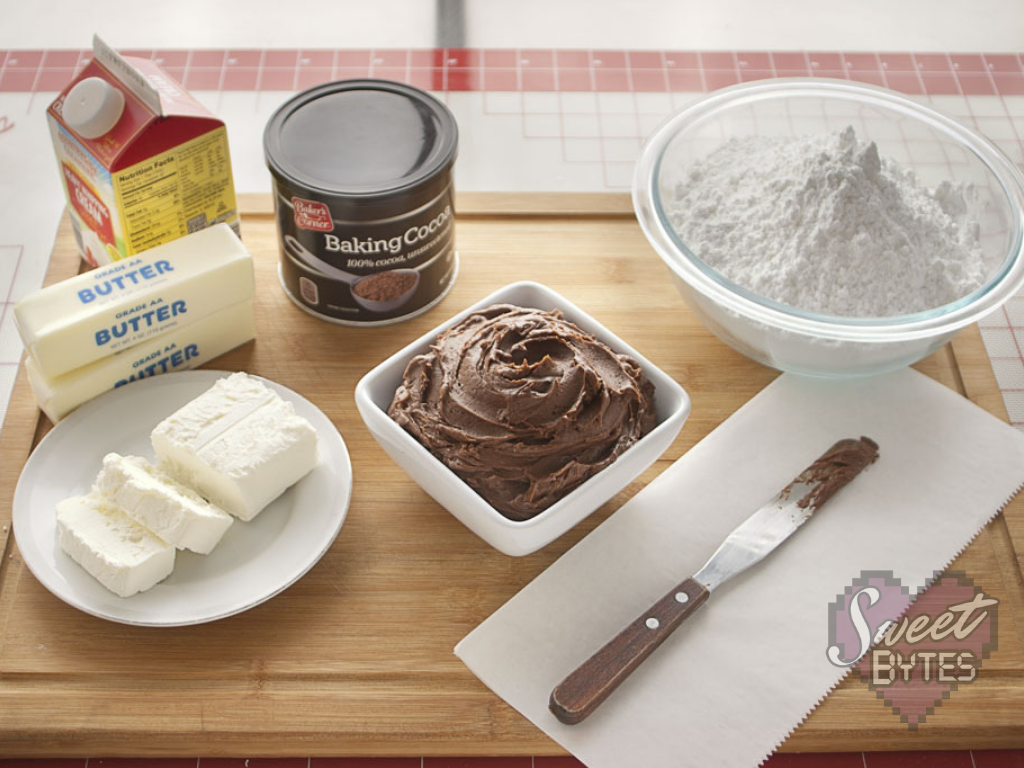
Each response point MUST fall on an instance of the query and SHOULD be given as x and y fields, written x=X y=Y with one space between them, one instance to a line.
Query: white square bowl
x=517 y=537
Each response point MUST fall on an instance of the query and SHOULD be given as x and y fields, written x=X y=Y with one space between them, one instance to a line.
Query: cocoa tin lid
x=363 y=143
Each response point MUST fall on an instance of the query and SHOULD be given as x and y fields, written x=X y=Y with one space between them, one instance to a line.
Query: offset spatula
x=579 y=694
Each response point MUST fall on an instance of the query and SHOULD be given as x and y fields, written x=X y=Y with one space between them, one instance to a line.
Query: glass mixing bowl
x=934 y=146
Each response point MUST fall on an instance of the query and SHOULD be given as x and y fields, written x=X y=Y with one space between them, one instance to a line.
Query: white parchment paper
x=737 y=677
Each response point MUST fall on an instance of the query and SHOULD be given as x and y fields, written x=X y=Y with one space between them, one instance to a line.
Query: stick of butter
x=184 y=347
x=93 y=315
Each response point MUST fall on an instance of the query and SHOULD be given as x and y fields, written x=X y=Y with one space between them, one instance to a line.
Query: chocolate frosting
x=835 y=468
x=523 y=405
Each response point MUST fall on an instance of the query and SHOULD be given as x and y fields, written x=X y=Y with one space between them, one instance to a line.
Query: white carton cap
x=92 y=107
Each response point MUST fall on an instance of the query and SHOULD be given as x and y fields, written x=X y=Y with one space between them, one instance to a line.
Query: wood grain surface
x=356 y=658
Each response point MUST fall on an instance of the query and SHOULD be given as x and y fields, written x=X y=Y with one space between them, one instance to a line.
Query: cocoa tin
x=362 y=177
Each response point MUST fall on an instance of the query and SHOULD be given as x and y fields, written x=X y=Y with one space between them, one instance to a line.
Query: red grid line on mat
x=477 y=69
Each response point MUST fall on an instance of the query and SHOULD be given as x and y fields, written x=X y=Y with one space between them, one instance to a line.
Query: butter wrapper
x=185 y=347
x=99 y=313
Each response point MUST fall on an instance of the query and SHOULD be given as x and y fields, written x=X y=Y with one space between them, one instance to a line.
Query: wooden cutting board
x=356 y=659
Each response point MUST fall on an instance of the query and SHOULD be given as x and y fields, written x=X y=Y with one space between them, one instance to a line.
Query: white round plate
x=253 y=562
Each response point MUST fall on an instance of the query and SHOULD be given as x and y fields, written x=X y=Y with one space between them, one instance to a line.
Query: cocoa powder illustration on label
x=385 y=286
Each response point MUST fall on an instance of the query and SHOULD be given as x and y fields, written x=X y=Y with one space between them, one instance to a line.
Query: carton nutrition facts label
x=177 y=192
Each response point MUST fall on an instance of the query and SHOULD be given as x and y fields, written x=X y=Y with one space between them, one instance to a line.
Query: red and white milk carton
x=142 y=161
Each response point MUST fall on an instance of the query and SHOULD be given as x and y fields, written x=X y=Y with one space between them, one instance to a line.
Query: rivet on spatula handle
x=579 y=694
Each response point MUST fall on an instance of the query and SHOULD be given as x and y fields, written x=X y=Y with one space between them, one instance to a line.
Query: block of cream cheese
x=121 y=554
x=89 y=317
x=238 y=444
x=177 y=350
x=172 y=511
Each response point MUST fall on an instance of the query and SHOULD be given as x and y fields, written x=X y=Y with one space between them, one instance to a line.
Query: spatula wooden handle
x=579 y=694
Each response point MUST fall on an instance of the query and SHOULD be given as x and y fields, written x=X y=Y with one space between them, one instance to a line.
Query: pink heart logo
x=924 y=648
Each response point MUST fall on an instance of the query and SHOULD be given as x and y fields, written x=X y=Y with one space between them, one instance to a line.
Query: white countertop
x=876 y=25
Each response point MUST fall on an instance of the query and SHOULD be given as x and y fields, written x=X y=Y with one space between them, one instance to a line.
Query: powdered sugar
x=824 y=224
